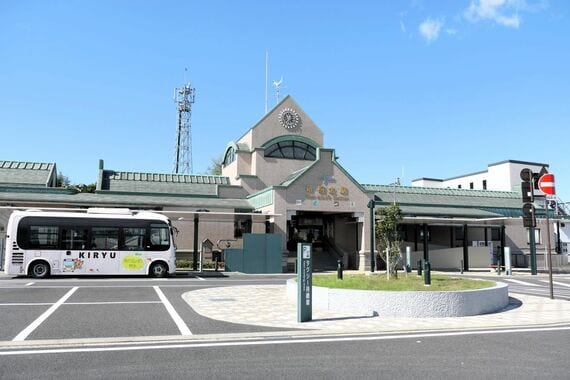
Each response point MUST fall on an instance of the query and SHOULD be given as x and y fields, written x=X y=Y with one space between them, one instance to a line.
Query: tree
x=90 y=188
x=62 y=180
x=215 y=167
x=388 y=240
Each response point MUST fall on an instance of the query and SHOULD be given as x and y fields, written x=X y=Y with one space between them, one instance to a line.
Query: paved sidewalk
x=268 y=305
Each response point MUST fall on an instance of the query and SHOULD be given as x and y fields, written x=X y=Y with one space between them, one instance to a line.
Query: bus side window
x=42 y=237
x=74 y=238
x=105 y=238
x=159 y=237
x=134 y=238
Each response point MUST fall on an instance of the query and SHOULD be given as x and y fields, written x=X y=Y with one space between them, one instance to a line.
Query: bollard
x=339 y=269
x=427 y=274
x=508 y=266
x=499 y=266
x=461 y=268
x=419 y=267
x=408 y=260
x=216 y=264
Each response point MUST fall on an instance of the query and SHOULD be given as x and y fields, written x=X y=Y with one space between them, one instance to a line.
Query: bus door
x=133 y=259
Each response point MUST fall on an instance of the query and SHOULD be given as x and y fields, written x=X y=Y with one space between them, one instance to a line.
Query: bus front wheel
x=158 y=269
x=40 y=269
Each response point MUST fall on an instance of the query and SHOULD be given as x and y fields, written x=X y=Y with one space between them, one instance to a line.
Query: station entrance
x=334 y=236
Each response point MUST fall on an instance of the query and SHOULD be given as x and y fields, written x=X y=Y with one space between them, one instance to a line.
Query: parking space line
x=184 y=330
x=35 y=324
x=27 y=304
x=111 y=303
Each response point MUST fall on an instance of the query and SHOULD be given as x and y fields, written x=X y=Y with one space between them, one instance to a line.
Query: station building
x=281 y=185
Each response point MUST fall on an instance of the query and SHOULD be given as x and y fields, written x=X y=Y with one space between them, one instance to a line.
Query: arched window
x=291 y=149
x=230 y=156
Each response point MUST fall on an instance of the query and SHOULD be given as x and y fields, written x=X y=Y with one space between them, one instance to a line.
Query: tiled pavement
x=268 y=305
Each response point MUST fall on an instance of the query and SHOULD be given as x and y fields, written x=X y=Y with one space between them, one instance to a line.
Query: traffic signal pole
x=549 y=252
x=532 y=244
x=528 y=211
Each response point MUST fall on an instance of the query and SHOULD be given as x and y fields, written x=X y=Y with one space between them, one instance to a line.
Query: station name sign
x=324 y=192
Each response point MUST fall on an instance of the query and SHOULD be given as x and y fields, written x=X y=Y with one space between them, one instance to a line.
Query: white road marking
x=200 y=278
x=80 y=303
x=520 y=282
x=560 y=284
x=30 y=284
x=34 y=325
x=276 y=342
x=27 y=304
x=111 y=303
x=184 y=330
x=121 y=286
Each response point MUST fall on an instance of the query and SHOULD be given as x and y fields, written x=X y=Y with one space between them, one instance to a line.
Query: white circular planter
x=408 y=303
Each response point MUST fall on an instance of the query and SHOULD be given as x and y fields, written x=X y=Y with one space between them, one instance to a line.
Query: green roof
x=449 y=203
x=429 y=196
x=296 y=174
x=20 y=173
x=452 y=203
x=104 y=199
x=159 y=183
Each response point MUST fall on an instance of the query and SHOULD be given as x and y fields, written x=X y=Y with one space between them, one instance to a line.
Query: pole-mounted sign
x=304 y=282
x=546 y=184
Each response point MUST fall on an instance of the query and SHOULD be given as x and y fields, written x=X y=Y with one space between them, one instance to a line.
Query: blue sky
x=419 y=88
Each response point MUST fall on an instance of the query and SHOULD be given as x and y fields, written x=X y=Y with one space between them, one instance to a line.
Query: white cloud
x=430 y=29
x=503 y=12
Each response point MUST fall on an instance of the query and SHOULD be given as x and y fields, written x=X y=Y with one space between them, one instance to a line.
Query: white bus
x=100 y=241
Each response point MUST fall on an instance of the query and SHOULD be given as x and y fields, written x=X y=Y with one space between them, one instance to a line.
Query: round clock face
x=288 y=118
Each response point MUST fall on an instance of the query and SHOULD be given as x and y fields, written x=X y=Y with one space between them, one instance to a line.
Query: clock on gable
x=289 y=118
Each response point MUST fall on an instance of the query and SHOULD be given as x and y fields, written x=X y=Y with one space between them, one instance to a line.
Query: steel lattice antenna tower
x=184 y=98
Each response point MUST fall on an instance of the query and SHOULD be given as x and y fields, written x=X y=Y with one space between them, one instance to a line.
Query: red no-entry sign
x=546 y=184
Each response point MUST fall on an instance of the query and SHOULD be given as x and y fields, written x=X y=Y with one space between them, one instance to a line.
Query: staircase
x=324 y=260
x=325 y=257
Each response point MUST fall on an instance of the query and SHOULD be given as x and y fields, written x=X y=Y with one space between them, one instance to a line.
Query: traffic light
x=527 y=189
x=529 y=219
x=527 y=192
x=527 y=186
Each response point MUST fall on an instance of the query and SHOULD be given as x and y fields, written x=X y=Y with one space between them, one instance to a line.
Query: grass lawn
x=411 y=282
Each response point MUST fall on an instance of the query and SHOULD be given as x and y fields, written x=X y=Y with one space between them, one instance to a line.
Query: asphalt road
x=476 y=355
x=538 y=285
x=111 y=307
x=108 y=307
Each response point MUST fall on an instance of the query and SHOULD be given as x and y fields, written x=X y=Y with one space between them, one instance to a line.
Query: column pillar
x=195 y=253
x=425 y=241
x=465 y=249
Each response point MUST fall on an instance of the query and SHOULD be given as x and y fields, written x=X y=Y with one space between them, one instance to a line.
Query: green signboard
x=304 y=282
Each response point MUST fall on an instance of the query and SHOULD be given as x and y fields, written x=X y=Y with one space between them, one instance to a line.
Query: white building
x=500 y=176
